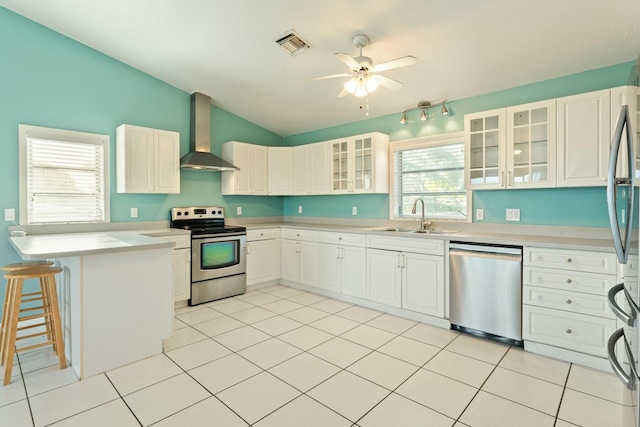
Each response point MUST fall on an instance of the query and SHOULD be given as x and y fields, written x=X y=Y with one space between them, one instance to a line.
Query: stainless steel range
x=218 y=264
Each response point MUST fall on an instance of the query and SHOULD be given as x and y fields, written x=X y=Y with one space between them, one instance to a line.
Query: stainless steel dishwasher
x=485 y=290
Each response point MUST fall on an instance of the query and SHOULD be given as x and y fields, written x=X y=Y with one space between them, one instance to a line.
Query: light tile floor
x=281 y=357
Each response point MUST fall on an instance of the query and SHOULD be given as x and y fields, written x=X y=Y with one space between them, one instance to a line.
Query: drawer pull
x=569 y=301
x=339 y=238
x=568 y=259
x=568 y=331
x=569 y=280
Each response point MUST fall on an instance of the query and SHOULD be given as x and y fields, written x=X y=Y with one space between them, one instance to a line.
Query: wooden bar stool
x=26 y=298
x=48 y=311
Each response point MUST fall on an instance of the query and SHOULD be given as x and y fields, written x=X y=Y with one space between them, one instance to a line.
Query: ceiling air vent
x=292 y=43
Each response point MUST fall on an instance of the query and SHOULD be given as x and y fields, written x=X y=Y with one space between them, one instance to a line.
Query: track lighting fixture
x=424 y=106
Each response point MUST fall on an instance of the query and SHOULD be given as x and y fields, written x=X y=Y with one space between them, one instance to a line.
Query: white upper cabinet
x=360 y=164
x=280 y=170
x=252 y=178
x=147 y=160
x=584 y=138
x=311 y=169
x=484 y=150
x=531 y=145
x=511 y=148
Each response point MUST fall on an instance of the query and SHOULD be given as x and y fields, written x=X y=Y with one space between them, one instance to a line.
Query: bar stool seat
x=48 y=311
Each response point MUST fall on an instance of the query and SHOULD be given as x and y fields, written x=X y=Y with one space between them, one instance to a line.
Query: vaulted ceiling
x=227 y=49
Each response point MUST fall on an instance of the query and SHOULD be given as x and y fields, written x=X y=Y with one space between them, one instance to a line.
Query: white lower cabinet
x=342 y=263
x=300 y=256
x=565 y=299
x=263 y=255
x=409 y=280
x=181 y=267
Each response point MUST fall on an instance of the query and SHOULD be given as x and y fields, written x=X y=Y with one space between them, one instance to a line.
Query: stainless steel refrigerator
x=624 y=299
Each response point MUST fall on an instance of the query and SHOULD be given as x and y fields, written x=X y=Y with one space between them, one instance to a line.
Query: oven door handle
x=217 y=235
x=626 y=379
x=628 y=319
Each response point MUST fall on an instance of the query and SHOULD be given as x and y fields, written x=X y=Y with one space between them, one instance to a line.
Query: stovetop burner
x=202 y=220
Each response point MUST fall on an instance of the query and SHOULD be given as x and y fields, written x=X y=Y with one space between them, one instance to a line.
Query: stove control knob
x=186 y=213
x=179 y=213
x=219 y=212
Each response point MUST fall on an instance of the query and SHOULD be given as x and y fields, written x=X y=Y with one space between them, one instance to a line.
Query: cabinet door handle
x=568 y=301
x=509 y=179
x=398 y=261
x=568 y=259
x=568 y=330
x=248 y=249
x=569 y=280
x=501 y=179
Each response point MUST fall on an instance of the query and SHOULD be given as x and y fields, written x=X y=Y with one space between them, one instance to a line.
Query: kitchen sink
x=414 y=230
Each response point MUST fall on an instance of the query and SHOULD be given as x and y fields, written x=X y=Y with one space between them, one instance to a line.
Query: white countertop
x=563 y=242
x=47 y=246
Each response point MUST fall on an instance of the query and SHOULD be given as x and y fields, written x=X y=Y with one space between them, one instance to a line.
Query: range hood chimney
x=200 y=156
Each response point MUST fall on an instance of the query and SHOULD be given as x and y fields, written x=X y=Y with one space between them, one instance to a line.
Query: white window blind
x=434 y=173
x=65 y=179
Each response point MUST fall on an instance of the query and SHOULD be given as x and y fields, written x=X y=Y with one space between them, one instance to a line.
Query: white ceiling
x=226 y=48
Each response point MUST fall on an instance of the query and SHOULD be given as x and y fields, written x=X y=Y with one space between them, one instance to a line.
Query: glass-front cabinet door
x=531 y=145
x=484 y=150
x=340 y=162
x=363 y=169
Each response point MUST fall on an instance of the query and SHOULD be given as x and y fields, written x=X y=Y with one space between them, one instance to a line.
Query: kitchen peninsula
x=117 y=294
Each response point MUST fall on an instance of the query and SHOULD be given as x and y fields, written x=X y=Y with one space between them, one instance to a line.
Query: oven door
x=213 y=257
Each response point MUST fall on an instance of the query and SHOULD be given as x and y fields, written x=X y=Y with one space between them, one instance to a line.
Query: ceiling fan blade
x=394 y=63
x=387 y=82
x=343 y=93
x=348 y=59
x=331 y=76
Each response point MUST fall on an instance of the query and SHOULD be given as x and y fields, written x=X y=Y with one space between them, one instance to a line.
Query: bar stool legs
x=49 y=312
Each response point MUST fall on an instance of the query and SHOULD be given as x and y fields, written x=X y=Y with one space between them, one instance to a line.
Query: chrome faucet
x=423 y=224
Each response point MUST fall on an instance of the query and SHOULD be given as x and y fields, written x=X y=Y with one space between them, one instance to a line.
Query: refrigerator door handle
x=626 y=379
x=622 y=248
x=628 y=319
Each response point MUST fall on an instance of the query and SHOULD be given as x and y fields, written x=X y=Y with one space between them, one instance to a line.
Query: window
x=64 y=176
x=431 y=169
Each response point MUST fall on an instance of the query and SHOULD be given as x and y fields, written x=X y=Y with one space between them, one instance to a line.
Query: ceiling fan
x=365 y=77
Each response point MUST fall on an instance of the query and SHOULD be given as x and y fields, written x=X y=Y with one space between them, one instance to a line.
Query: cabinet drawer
x=592 y=262
x=181 y=241
x=262 y=234
x=343 y=239
x=573 y=302
x=419 y=245
x=597 y=284
x=576 y=332
x=298 y=234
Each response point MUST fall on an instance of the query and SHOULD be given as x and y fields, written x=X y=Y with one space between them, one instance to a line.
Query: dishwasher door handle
x=485 y=254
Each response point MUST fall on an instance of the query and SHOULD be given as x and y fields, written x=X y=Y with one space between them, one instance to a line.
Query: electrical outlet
x=9 y=214
x=354 y=210
x=300 y=209
x=134 y=212
x=479 y=214
x=239 y=210
x=513 y=215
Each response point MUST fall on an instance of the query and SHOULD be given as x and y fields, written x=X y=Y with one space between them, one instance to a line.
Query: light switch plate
x=239 y=210
x=513 y=215
x=9 y=214
x=479 y=214
x=354 y=210
x=134 y=212
x=300 y=209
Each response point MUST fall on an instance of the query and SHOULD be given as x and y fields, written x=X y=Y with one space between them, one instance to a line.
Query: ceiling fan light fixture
x=371 y=84
x=361 y=89
x=351 y=85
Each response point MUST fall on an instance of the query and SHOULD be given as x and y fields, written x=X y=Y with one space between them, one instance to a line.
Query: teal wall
x=47 y=79
x=580 y=207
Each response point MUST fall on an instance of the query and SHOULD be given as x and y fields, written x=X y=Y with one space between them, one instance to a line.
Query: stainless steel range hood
x=200 y=156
